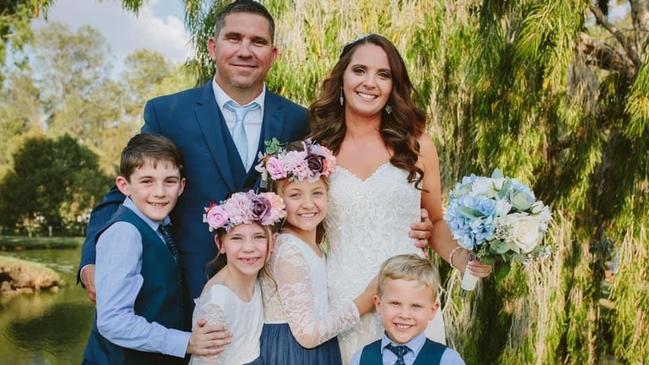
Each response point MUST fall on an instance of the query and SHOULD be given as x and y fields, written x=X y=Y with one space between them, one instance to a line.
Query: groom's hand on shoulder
x=422 y=231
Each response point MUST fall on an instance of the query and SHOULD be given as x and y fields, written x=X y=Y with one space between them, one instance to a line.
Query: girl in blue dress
x=300 y=327
x=232 y=297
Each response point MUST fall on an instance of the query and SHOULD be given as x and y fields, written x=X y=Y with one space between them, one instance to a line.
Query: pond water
x=46 y=328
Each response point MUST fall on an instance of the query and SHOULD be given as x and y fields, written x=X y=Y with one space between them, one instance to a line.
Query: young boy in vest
x=406 y=302
x=139 y=297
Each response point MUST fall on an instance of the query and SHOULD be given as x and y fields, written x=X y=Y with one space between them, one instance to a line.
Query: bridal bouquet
x=499 y=220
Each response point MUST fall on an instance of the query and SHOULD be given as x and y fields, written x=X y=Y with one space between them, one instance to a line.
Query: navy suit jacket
x=213 y=168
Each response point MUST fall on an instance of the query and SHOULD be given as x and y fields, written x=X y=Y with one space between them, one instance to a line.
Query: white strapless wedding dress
x=368 y=221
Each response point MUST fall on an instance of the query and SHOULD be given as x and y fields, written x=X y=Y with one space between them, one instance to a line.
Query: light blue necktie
x=239 y=132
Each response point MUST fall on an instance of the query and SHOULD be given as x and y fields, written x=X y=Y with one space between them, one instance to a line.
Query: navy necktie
x=400 y=351
x=169 y=241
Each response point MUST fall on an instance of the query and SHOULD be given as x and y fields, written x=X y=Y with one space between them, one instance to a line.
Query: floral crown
x=244 y=208
x=312 y=163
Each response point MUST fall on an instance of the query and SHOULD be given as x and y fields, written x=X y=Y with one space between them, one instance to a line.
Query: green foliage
x=15 y=24
x=53 y=182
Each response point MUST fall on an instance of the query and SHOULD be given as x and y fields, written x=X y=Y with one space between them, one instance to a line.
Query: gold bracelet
x=450 y=257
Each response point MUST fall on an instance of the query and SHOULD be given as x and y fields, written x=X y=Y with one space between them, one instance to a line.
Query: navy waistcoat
x=430 y=354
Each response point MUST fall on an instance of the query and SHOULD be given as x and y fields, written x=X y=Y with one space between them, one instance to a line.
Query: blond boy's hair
x=409 y=267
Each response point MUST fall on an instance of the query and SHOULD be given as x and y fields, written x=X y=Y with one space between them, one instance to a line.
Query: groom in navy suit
x=219 y=128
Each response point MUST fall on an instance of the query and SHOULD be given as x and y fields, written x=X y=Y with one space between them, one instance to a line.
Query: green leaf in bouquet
x=486 y=257
x=501 y=270
x=470 y=212
x=521 y=201
x=499 y=246
x=504 y=191
x=497 y=174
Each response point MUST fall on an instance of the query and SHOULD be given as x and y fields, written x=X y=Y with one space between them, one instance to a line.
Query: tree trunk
x=640 y=16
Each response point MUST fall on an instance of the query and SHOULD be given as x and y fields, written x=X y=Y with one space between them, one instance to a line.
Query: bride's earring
x=388 y=109
x=342 y=99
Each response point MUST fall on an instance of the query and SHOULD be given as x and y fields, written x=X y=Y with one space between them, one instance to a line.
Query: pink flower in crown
x=277 y=208
x=239 y=208
x=215 y=217
x=296 y=165
x=292 y=159
x=275 y=168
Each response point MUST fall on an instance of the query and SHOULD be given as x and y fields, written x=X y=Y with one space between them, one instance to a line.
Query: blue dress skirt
x=279 y=347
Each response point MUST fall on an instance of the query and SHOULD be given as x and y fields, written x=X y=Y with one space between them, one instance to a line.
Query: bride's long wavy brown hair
x=399 y=129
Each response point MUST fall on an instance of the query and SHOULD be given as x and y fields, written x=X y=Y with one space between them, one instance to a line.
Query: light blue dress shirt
x=118 y=282
x=449 y=357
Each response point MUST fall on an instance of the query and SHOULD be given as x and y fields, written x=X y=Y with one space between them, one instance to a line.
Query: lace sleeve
x=292 y=275
x=213 y=313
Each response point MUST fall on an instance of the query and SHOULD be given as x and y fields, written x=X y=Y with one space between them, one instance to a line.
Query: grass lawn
x=14 y=243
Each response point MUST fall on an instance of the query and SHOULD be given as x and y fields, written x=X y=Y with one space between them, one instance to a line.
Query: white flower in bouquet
x=525 y=231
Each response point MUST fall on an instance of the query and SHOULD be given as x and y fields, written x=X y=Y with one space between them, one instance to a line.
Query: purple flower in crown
x=316 y=163
x=277 y=209
x=260 y=206
x=245 y=208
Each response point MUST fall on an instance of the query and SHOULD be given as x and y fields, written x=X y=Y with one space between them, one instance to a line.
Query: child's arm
x=98 y=219
x=292 y=275
x=118 y=281
x=213 y=315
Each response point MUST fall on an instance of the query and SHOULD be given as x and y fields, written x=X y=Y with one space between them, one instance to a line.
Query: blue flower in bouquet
x=471 y=219
x=483 y=230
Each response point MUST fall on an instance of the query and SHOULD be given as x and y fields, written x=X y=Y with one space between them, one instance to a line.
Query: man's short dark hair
x=244 y=6
x=148 y=147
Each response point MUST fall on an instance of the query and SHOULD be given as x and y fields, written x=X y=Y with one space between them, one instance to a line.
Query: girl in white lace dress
x=232 y=297
x=387 y=171
x=300 y=327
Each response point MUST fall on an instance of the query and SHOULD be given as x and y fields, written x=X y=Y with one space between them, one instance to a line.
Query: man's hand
x=422 y=231
x=87 y=275
x=208 y=340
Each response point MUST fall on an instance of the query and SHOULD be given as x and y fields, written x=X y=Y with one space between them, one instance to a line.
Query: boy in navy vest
x=406 y=302
x=139 y=297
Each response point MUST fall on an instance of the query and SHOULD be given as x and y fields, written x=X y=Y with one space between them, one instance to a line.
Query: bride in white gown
x=387 y=169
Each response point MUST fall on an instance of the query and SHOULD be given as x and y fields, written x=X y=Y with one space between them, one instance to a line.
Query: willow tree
x=552 y=92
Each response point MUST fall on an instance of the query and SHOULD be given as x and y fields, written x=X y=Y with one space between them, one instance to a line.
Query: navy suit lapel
x=214 y=129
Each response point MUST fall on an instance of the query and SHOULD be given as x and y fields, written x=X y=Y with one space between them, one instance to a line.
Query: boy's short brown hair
x=409 y=267
x=151 y=147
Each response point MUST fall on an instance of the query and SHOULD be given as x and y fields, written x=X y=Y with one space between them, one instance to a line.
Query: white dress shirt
x=251 y=123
